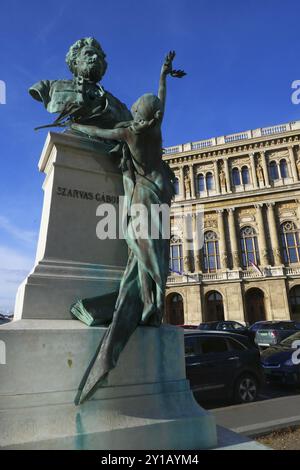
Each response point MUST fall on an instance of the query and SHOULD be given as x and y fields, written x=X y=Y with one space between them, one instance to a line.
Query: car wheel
x=246 y=389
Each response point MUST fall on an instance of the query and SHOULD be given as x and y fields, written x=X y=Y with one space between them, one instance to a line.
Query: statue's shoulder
x=42 y=90
x=113 y=99
x=118 y=105
x=53 y=93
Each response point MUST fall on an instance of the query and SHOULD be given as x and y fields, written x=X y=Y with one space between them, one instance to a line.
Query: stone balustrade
x=271 y=271
x=245 y=135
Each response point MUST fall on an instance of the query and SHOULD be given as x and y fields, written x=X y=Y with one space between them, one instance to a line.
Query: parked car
x=280 y=363
x=222 y=365
x=226 y=325
x=273 y=332
x=5 y=318
x=254 y=327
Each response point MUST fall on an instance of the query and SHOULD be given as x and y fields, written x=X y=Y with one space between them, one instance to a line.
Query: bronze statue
x=82 y=98
x=85 y=107
x=147 y=180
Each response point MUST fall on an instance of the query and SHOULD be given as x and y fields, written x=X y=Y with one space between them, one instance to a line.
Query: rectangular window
x=213 y=345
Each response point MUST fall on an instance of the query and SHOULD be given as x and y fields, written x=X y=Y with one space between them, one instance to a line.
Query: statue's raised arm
x=167 y=69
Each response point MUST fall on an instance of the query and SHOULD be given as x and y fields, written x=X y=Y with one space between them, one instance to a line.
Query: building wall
x=266 y=162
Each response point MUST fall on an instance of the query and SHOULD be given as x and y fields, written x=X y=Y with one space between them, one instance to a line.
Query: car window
x=213 y=345
x=238 y=326
x=235 y=345
x=222 y=326
x=257 y=326
x=286 y=326
x=288 y=342
x=277 y=326
x=191 y=346
x=207 y=326
x=203 y=326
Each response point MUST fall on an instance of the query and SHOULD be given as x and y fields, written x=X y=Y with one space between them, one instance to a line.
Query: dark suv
x=222 y=365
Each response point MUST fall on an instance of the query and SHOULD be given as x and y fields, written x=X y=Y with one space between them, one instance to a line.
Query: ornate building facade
x=248 y=268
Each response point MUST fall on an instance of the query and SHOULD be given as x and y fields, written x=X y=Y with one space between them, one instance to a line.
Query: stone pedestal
x=146 y=404
x=71 y=261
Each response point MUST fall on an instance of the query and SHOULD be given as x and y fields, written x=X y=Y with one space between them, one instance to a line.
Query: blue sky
x=241 y=58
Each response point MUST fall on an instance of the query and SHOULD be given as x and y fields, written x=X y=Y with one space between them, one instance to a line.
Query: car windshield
x=288 y=342
x=257 y=326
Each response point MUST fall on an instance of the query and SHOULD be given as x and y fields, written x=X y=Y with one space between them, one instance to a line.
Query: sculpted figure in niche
x=187 y=184
x=223 y=179
x=298 y=166
x=260 y=173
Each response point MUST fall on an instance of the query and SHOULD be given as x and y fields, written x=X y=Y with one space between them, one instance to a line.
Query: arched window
x=176 y=260
x=283 y=169
x=273 y=171
x=175 y=311
x=200 y=183
x=249 y=247
x=176 y=186
x=211 y=253
x=295 y=302
x=210 y=184
x=245 y=175
x=214 y=306
x=255 y=305
x=290 y=242
x=236 y=180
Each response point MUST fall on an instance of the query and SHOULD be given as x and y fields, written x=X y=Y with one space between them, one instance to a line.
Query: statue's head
x=147 y=107
x=86 y=59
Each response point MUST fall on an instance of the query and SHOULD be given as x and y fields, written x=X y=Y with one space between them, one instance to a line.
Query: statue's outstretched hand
x=167 y=68
x=167 y=65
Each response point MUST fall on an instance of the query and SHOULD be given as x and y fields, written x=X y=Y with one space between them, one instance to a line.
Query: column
x=274 y=234
x=181 y=182
x=228 y=180
x=293 y=164
x=197 y=254
x=186 y=242
x=191 y=171
x=253 y=171
x=265 y=168
x=233 y=239
x=262 y=245
x=217 y=179
x=222 y=240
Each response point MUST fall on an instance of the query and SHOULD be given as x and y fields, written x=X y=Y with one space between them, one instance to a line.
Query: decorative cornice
x=226 y=151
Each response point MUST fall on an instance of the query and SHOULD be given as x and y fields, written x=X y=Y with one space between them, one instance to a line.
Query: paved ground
x=262 y=416
x=277 y=408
